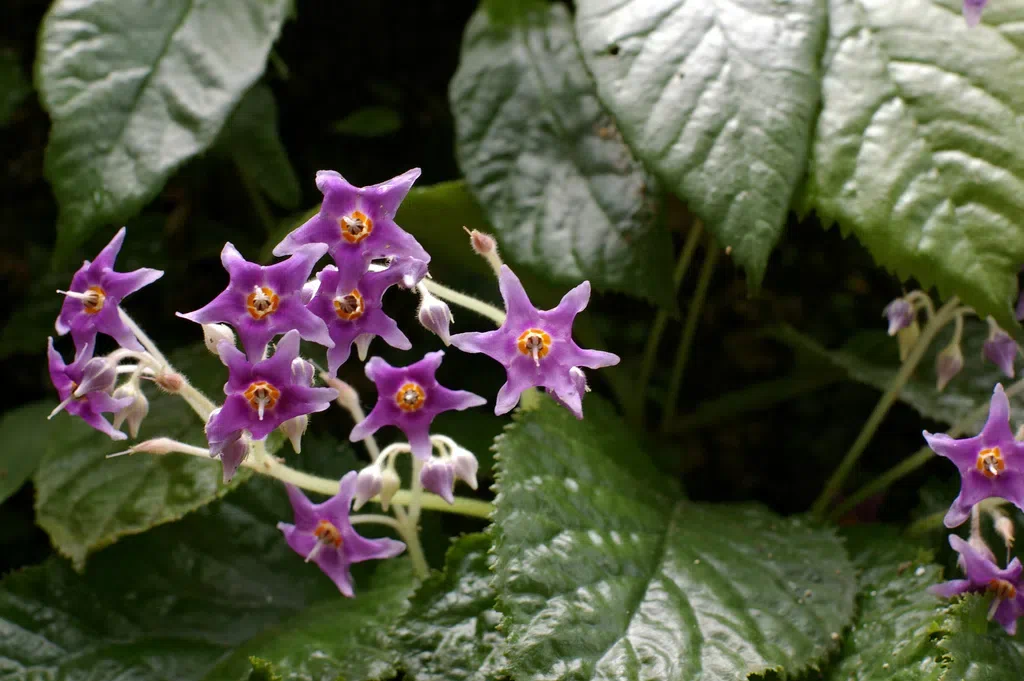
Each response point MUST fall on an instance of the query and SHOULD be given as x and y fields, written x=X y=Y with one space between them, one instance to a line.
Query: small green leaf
x=136 y=88
x=919 y=151
x=718 y=99
x=86 y=501
x=370 y=121
x=976 y=649
x=19 y=445
x=250 y=136
x=545 y=160
x=14 y=86
x=604 y=571
x=450 y=631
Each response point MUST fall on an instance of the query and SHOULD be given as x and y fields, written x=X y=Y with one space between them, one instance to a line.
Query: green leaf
x=86 y=501
x=334 y=639
x=919 y=151
x=450 y=631
x=718 y=99
x=976 y=649
x=19 y=451
x=136 y=88
x=250 y=136
x=604 y=571
x=168 y=604
x=545 y=161
x=872 y=358
x=14 y=86
x=370 y=121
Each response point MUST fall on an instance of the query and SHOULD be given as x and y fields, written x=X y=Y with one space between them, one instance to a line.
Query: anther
x=350 y=306
x=990 y=462
x=534 y=343
x=261 y=302
x=92 y=298
x=410 y=397
x=262 y=396
x=355 y=227
x=327 y=535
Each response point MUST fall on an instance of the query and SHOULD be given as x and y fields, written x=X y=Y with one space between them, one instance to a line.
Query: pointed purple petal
x=950 y=589
x=518 y=307
x=997 y=427
x=106 y=258
x=572 y=303
x=119 y=285
x=963 y=453
x=360 y=548
x=389 y=195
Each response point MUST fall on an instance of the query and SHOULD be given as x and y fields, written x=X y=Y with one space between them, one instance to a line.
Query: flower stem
x=689 y=331
x=469 y=302
x=928 y=333
x=374 y=518
x=411 y=537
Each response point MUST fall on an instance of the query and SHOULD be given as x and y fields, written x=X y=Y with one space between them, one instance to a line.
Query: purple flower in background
x=972 y=11
x=322 y=533
x=990 y=463
x=262 y=396
x=900 y=314
x=93 y=302
x=356 y=313
x=409 y=398
x=984 y=576
x=263 y=302
x=357 y=224
x=536 y=346
x=1001 y=350
x=84 y=387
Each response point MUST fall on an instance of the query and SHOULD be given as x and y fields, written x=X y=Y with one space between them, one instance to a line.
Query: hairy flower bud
x=170 y=382
x=98 y=375
x=486 y=246
x=369 y=483
x=293 y=429
x=465 y=466
x=438 y=476
x=389 y=484
x=135 y=412
x=214 y=334
x=435 y=316
x=900 y=314
x=948 y=364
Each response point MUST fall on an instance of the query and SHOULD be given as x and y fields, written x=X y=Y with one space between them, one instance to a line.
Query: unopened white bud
x=214 y=334
x=135 y=412
x=1005 y=529
x=293 y=429
x=302 y=371
x=368 y=485
x=390 y=483
x=435 y=315
x=465 y=465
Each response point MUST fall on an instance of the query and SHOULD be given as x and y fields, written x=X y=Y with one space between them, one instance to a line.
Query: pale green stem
x=933 y=521
x=374 y=518
x=417 y=491
x=689 y=331
x=411 y=536
x=493 y=313
x=928 y=333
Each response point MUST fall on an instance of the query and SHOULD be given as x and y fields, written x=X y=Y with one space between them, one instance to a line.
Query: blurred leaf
x=19 y=451
x=136 y=88
x=449 y=632
x=603 y=570
x=370 y=121
x=976 y=649
x=563 y=191
x=250 y=136
x=14 y=86
x=718 y=99
x=86 y=501
x=32 y=321
x=919 y=148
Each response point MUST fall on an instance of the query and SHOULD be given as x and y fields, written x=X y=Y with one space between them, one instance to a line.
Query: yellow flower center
x=1002 y=588
x=990 y=462
x=261 y=302
x=328 y=534
x=94 y=299
x=262 y=396
x=349 y=307
x=534 y=343
x=355 y=227
x=410 y=397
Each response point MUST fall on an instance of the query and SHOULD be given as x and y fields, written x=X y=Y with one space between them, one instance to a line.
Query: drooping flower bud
x=1000 y=349
x=214 y=334
x=1005 y=529
x=135 y=412
x=465 y=465
x=98 y=375
x=369 y=483
x=435 y=315
x=389 y=484
x=293 y=429
x=438 y=476
x=303 y=371
x=900 y=314
x=232 y=456
x=948 y=364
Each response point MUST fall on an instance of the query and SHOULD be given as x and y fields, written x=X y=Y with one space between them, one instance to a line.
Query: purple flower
x=93 y=301
x=972 y=11
x=262 y=396
x=536 y=346
x=231 y=449
x=322 y=533
x=990 y=463
x=357 y=224
x=438 y=476
x=900 y=314
x=409 y=398
x=357 y=312
x=88 y=373
x=983 y=576
x=263 y=302
x=1001 y=350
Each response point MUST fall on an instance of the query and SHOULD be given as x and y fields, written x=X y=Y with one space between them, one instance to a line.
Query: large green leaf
x=718 y=99
x=977 y=649
x=86 y=501
x=135 y=88
x=545 y=160
x=604 y=571
x=919 y=150
x=19 y=445
x=14 y=86
x=450 y=631
x=169 y=604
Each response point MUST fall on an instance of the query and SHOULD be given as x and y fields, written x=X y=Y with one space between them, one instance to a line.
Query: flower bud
x=232 y=455
x=900 y=314
x=579 y=379
x=389 y=484
x=368 y=485
x=168 y=381
x=135 y=412
x=214 y=334
x=465 y=466
x=486 y=246
x=948 y=364
x=906 y=339
x=1004 y=528
x=436 y=316
x=293 y=429
x=310 y=288
x=98 y=375
x=1000 y=349
x=438 y=476
x=302 y=371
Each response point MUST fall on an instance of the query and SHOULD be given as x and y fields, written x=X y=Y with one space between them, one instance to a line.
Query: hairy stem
x=493 y=313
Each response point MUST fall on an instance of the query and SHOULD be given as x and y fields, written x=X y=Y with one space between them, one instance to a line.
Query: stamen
x=315 y=550
x=992 y=608
x=534 y=343
x=990 y=462
x=355 y=227
x=92 y=298
x=410 y=397
x=60 y=407
x=262 y=396
x=262 y=302
x=350 y=307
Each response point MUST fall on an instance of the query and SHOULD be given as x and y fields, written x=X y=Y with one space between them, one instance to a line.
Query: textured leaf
x=919 y=150
x=604 y=572
x=169 y=604
x=250 y=137
x=872 y=357
x=14 y=86
x=19 y=450
x=718 y=99
x=86 y=501
x=450 y=631
x=134 y=89
x=976 y=649
x=561 y=188
x=334 y=639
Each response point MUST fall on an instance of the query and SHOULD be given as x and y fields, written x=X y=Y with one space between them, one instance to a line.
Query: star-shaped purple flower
x=356 y=312
x=985 y=576
x=409 y=398
x=263 y=302
x=536 y=346
x=93 y=302
x=68 y=377
x=990 y=463
x=322 y=533
x=358 y=225
x=262 y=396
